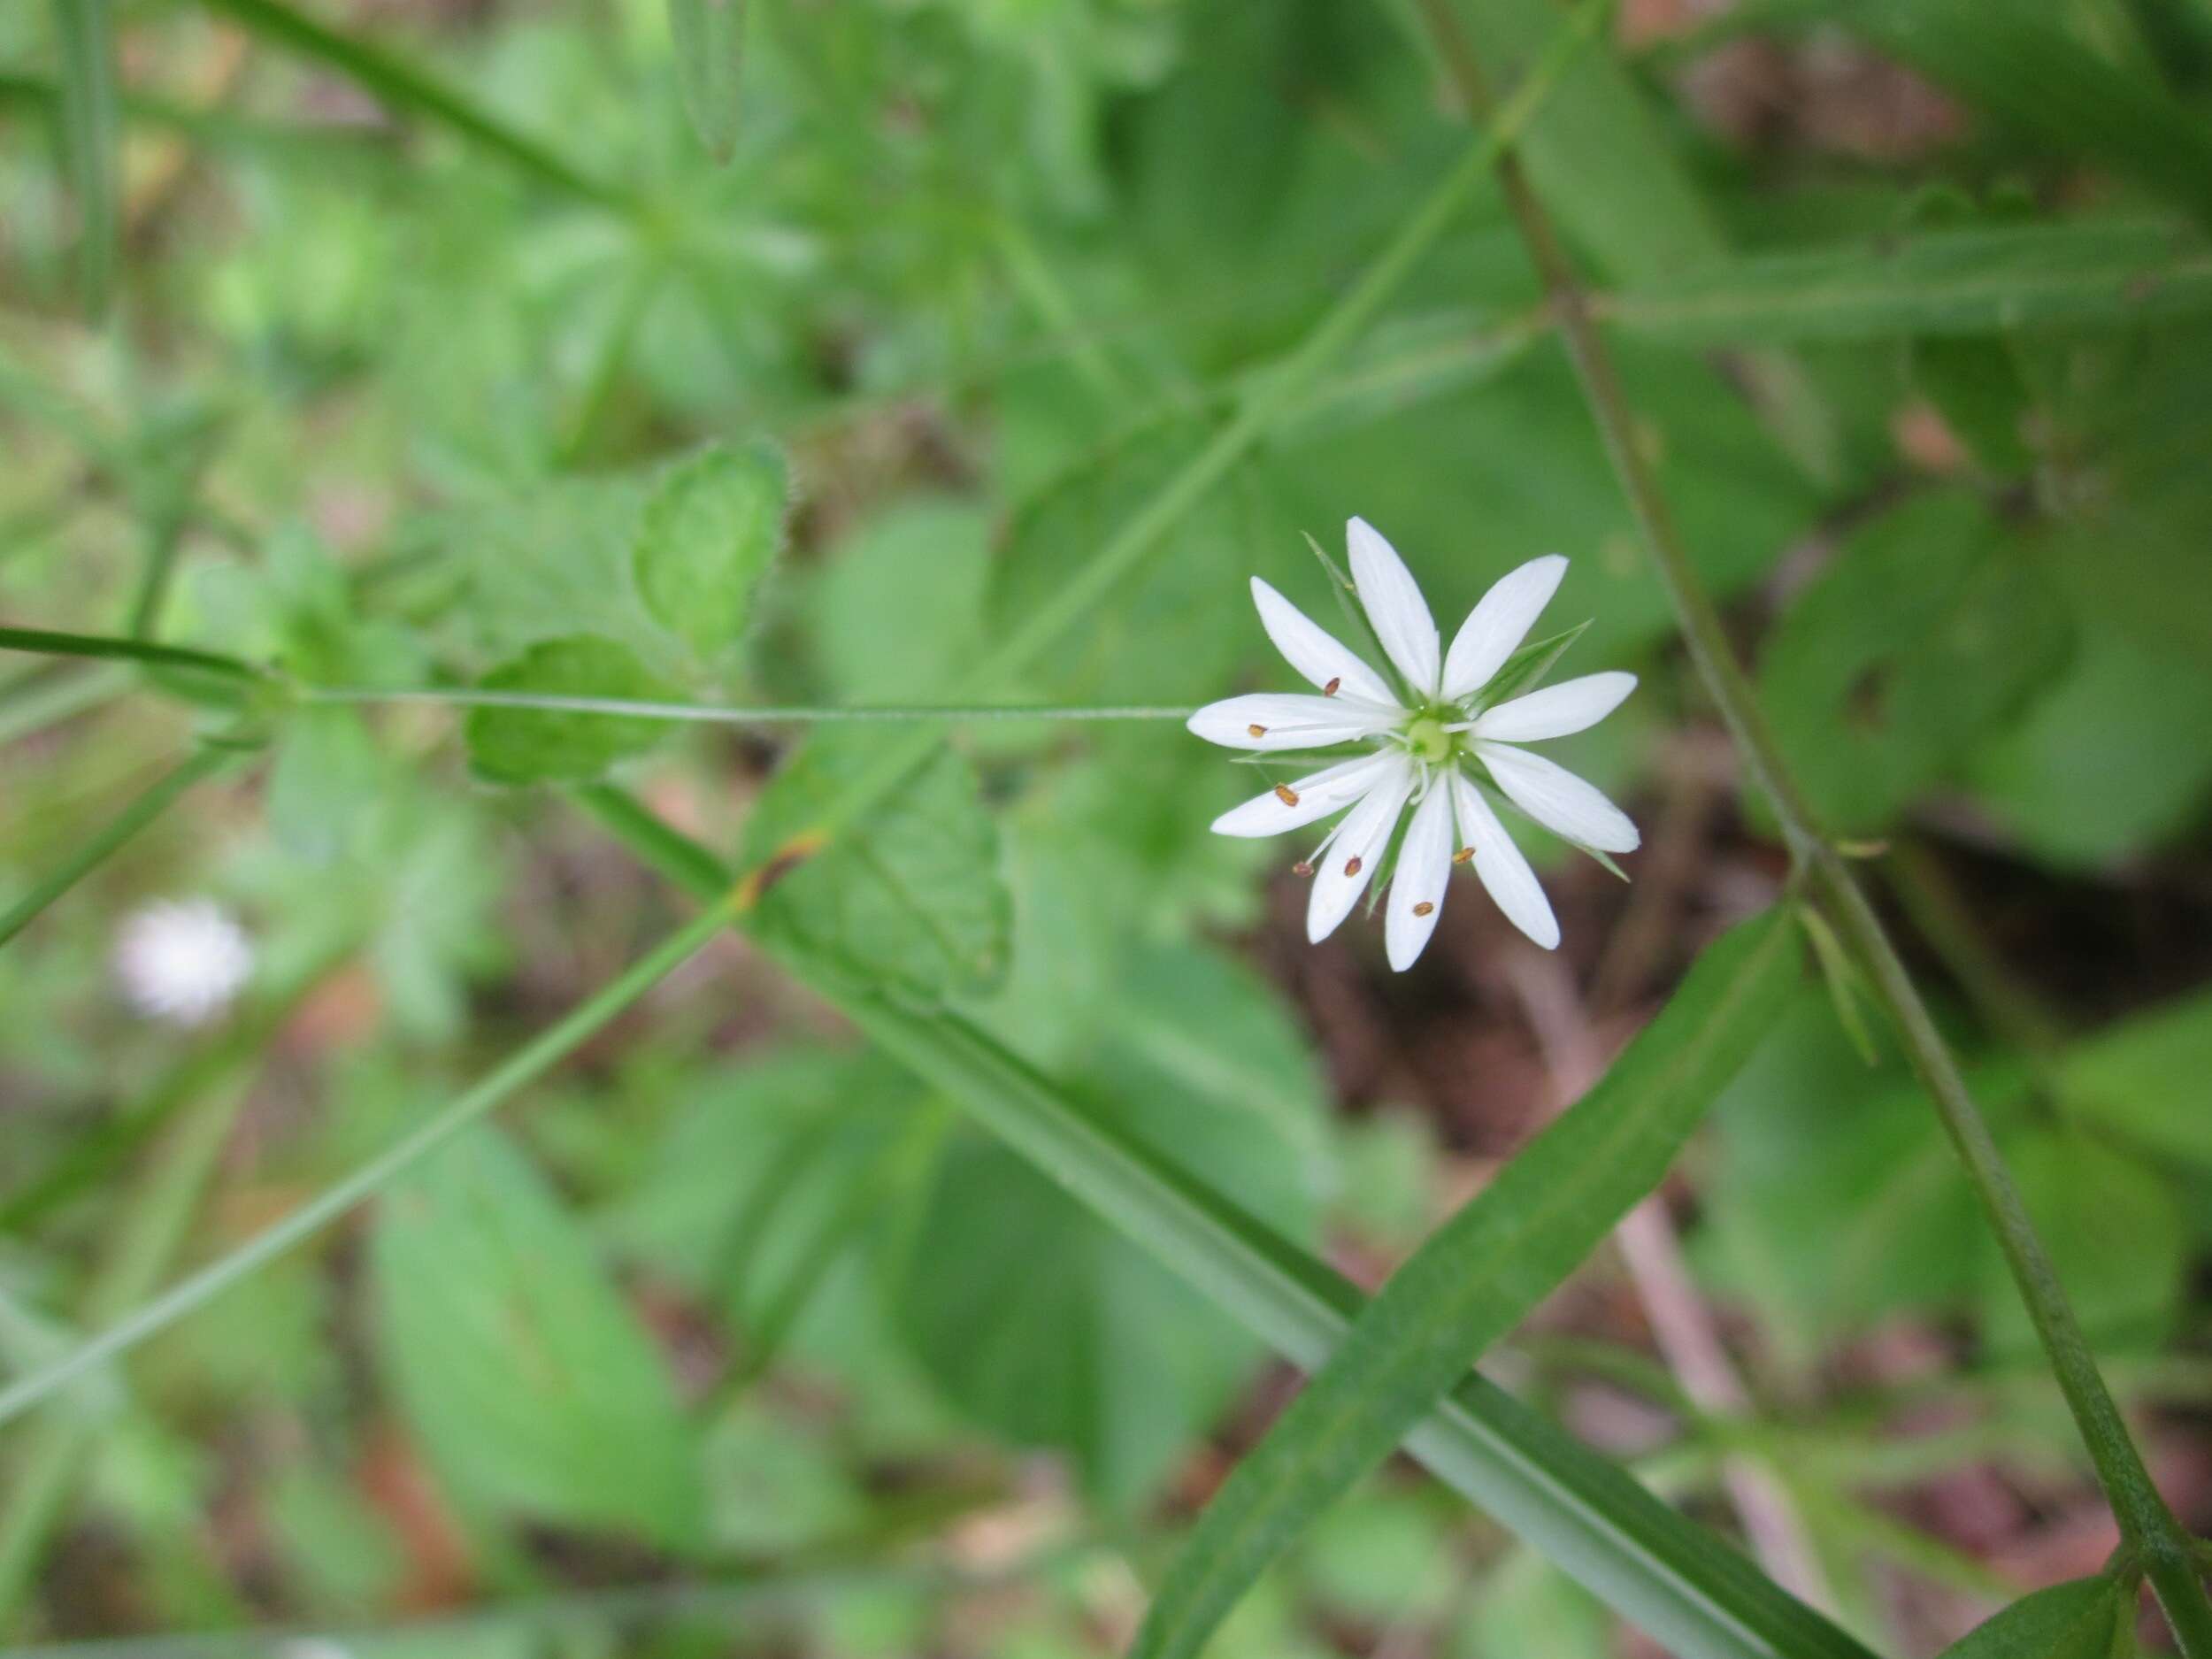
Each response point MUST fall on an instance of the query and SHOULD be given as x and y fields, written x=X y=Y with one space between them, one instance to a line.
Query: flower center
x=1427 y=739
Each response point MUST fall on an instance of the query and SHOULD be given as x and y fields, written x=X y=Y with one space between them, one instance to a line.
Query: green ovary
x=1428 y=741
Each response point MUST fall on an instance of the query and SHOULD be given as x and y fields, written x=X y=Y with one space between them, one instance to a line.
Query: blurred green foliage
x=439 y=351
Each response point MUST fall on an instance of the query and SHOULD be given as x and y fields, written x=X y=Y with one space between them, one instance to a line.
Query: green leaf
x=909 y=897
x=2144 y=1078
x=1964 y=283
x=533 y=1388
x=2116 y=1234
x=711 y=68
x=708 y=533
x=1477 y=1276
x=519 y=746
x=1695 y=1594
x=2030 y=72
x=2074 y=1620
x=324 y=784
x=1079 y=1339
x=1928 y=634
x=408 y=90
x=91 y=145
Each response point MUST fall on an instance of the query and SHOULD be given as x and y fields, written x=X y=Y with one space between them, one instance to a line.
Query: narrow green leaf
x=1528 y=667
x=408 y=90
x=2074 y=1620
x=705 y=538
x=102 y=843
x=48 y=642
x=2021 y=65
x=1478 y=1274
x=1953 y=282
x=530 y=1381
x=711 y=68
x=520 y=1069
x=1693 y=1592
x=910 y=896
x=519 y=746
x=90 y=142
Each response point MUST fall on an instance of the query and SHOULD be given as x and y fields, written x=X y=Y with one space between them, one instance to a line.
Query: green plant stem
x=29 y=708
x=91 y=1156
x=52 y=642
x=717 y=714
x=1691 y=1591
x=525 y=1066
x=88 y=135
x=103 y=844
x=406 y=90
x=2146 y=1521
x=1272 y=395
x=154 y=1222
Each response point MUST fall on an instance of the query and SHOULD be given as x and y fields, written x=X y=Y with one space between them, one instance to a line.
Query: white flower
x=182 y=961
x=1430 y=745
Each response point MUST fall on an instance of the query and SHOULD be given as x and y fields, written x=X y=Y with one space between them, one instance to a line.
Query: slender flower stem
x=1272 y=396
x=96 y=849
x=721 y=714
x=49 y=642
x=2145 y=1522
x=522 y=1067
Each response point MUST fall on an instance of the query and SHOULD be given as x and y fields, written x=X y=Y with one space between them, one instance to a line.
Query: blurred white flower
x=181 y=961
x=1434 y=739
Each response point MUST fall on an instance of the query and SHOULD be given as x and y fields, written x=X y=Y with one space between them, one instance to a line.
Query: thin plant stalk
x=1272 y=394
x=2146 y=1523
x=719 y=714
x=520 y=1069
x=104 y=842
x=154 y=1222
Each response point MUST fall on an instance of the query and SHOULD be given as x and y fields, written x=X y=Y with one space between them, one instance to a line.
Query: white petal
x=1314 y=797
x=1315 y=652
x=1271 y=721
x=1572 y=705
x=1424 y=869
x=1498 y=624
x=1394 y=605
x=1501 y=866
x=1355 y=849
x=1558 y=800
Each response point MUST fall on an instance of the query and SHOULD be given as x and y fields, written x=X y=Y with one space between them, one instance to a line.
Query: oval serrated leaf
x=552 y=745
x=1477 y=1275
x=532 y=1388
x=709 y=36
x=910 y=896
x=708 y=535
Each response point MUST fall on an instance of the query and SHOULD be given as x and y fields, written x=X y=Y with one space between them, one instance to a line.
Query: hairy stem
x=2144 y=1517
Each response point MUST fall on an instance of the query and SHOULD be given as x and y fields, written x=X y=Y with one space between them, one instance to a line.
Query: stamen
x=1302 y=868
x=1256 y=731
x=1464 y=855
x=1423 y=908
x=1329 y=690
x=1351 y=866
x=1288 y=795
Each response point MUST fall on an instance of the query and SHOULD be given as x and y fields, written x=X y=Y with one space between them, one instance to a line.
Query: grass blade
x=406 y=90
x=711 y=68
x=47 y=642
x=1957 y=282
x=149 y=805
x=89 y=148
x=1476 y=1277
x=1690 y=1590
x=525 y=1066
